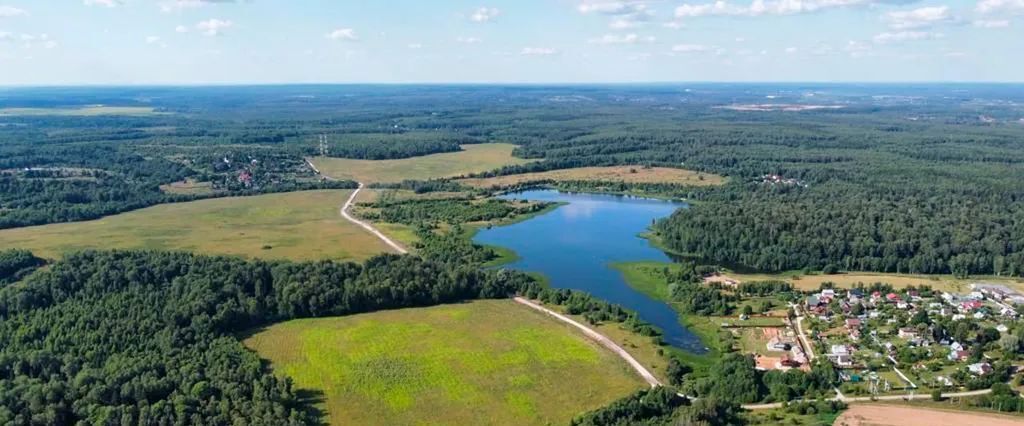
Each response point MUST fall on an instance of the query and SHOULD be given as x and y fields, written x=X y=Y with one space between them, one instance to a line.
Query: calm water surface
x=574 y=245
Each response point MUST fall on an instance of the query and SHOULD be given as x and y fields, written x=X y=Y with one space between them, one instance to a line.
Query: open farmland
x=472 y=158
x=299 y=226
x=894 y=415
x=629 y=174
x=938 y=282
x=486 y=362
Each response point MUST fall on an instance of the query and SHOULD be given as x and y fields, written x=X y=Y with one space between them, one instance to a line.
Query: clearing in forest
x=472 y=159
x=629 y=174
x=297 y=225
x=485 y=362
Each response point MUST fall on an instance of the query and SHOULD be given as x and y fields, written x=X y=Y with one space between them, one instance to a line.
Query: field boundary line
x=599 y=338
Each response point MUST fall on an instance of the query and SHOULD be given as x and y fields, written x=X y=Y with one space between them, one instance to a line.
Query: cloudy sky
x=302 y=41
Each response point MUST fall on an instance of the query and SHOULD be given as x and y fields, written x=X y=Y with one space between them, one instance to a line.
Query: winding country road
x=344 y=213
x=365 y=225
x=599 y=338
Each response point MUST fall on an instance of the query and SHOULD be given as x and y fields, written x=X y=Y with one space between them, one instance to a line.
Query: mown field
x=298 y=225
x=485 y=362
x=473 y=158
x=939 y=282
x=630 y=174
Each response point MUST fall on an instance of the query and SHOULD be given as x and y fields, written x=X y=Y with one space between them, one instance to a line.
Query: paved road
x=344 y=213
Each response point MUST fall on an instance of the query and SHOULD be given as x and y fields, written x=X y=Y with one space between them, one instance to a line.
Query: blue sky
x=46 y=42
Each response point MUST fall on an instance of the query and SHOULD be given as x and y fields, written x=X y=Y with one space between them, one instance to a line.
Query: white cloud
x=791 y=50
x=11 y=11
x=822 y=50
x=623 y=24
x=624 y=7
x=918 y=18
x=214 y=27
x=30 y=40
x=538 y=51
x=347 y=34
x=902 y=36
x=857 y=49
x=999 y=6
x=691 y=48
x=104 y=3
x=168 y=6
x=152 y=39
x=996 y=23
x=484 y=14
x=630 y=38
x=675 y=25
x=415 y=46
x=767 y=7
x=181 y=29
x=468 y=40
x=625 y=15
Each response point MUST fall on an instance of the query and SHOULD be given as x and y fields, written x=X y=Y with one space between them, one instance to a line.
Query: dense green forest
x=448 y=210
x=15 y=264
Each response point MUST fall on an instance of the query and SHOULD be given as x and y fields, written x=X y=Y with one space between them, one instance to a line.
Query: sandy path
x=599 y=338
x=893 y=415
x=348 y=204
x=344 y=213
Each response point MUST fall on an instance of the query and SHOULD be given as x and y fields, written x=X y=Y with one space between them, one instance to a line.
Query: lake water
x=574 y=245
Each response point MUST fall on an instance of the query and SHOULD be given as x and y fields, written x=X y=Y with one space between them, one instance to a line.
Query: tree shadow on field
x=308 y=400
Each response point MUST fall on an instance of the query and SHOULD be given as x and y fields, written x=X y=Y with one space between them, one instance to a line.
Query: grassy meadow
x=630 y=174
x=485 y=362
x=473 y=158
x=297 y=225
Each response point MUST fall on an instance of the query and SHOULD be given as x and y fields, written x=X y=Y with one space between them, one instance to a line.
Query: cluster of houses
x=857 y=309
x=795 y=356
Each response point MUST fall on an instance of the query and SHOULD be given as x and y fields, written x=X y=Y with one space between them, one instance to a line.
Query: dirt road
x=599 y=338
x=344 y=213
x=348 y=204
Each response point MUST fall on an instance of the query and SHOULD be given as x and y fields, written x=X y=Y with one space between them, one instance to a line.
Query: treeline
x=822 y=230
x=661 y=406
x=150 y=338
x=15 y=264
x=449 y=210
x=395 y=145
x=734 y=378
x=422 y=186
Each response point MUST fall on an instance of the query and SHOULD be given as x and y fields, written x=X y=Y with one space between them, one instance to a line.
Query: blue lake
x=574 y=245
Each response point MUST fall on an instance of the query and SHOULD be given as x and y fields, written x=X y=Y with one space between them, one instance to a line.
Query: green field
x=473 y=158
x=92 y=110
x=486 y=362
x=298 y=225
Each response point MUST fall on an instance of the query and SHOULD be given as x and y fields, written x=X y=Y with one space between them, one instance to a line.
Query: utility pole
x=323 y=145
